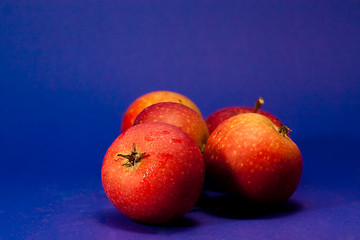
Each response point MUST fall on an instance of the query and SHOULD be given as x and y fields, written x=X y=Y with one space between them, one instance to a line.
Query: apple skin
x=149 y=99
x=167 y=181
x=248 y=157
x=217 y=117
x=178 y=115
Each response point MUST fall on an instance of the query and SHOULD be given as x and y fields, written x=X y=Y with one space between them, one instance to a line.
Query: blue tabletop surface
x=69 y=69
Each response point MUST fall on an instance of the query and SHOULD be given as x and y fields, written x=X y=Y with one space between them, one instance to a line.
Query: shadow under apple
x=227 y=206
x=114 y=219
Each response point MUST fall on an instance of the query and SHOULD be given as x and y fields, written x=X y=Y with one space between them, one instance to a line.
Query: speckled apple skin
x=167 y=182
x=217 y=117
x=149 y=99
x=247 y=156
x=178 y=115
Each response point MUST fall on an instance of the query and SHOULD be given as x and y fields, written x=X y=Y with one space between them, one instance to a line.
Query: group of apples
x=155 y=169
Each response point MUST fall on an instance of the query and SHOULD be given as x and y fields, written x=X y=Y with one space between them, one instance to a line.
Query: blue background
x=69 y=69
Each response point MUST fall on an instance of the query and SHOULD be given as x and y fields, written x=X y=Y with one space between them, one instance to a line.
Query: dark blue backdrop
x=69 y=69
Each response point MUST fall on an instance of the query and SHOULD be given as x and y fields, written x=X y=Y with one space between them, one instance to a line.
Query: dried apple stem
x=133 y=158
x=258 y=104
x=284 y=130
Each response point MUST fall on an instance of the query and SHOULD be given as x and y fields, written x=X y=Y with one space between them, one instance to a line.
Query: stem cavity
x=132 y=158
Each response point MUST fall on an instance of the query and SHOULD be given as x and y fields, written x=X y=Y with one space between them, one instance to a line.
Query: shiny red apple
x=149 y=99
x=178 y=115
x=217 y=117
x=251 y=157
x=153 y=173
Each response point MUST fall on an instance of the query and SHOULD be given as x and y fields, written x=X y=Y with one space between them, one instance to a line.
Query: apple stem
x=284 y=130
x=258 y=104
x=133 y=158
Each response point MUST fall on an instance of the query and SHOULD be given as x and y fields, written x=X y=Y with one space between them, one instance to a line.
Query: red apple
x=153 y=173
x=217 y=117
x=149 y=99
x=249 y=156
x=178 y=115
